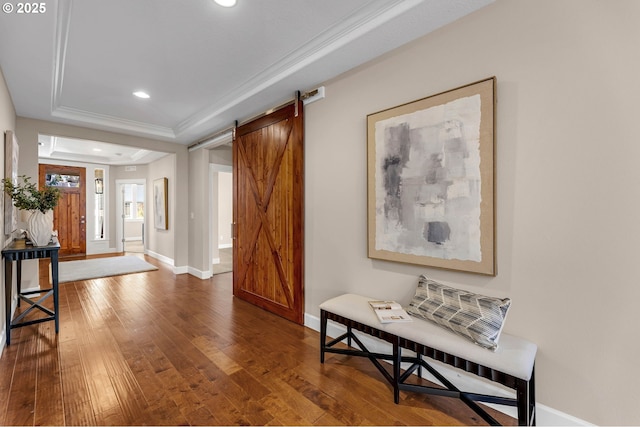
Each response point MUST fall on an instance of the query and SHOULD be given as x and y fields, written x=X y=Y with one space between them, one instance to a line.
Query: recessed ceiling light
x=141 y=94
x=97 y=149
x=226 y=3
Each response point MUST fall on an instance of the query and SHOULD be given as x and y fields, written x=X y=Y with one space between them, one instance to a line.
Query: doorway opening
x=69 y=216
x=130 y=203
x=221 y=216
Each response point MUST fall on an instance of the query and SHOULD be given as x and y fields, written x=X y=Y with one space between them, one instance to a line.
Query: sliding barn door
x=268 y=213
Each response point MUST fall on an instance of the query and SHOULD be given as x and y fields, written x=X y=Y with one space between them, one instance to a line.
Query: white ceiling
x=204 y=66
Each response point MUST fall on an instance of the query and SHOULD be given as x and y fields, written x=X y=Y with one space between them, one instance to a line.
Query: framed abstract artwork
x=11 y=172
x=431 y=180
x=160 y=205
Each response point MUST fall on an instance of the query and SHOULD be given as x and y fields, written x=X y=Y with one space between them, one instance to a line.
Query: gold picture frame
x=431 y=188
x=160 y=204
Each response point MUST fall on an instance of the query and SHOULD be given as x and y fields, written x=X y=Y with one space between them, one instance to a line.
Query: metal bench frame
x=525 y=390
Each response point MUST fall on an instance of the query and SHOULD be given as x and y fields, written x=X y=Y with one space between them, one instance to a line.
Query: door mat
x=71 y=271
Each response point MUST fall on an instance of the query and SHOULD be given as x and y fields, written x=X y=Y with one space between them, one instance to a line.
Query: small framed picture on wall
x=11 y=172
x=160 y=205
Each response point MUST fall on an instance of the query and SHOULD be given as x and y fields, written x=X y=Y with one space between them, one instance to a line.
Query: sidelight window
x=99 y=210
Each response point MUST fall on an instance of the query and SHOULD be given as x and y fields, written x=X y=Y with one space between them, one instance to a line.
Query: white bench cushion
x=515 y=356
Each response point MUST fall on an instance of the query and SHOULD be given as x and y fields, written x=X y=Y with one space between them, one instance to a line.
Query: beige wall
x=199 y=224
x=221 y=155
x=567 y=181
x=7 y=113
x=162 y=242
x=225 y=209
x=121 y=172
x=133 y=230
x=7 y=122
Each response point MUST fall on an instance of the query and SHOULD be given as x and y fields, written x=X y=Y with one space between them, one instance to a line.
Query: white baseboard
x=545 y=416
x=99 y=251
x=181 y=270
x=95 y=247
x=160 y=257
x=3 y=333
x=199 y=273
x=169 y=261
x=552 y=417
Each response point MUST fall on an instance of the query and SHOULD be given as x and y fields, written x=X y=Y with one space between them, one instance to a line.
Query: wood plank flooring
x=154 y=348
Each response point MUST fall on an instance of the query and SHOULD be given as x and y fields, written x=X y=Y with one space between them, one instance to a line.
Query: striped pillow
x=477 y=317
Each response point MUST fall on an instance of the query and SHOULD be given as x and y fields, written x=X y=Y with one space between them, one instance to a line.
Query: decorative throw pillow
x=477 y=317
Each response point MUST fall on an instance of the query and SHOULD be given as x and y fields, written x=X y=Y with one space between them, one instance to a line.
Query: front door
x=268 y=213
x=69 y=217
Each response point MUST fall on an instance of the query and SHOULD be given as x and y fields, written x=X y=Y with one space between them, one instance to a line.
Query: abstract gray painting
x=428 y=181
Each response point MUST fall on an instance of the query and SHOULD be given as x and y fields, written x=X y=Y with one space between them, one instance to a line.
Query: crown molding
x=359 y=23
x=103 y=121
x=63 y=17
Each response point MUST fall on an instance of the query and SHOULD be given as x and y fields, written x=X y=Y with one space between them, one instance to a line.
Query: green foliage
x=26 y=196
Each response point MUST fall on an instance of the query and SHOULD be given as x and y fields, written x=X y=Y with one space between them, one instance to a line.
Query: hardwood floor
x=154 y=348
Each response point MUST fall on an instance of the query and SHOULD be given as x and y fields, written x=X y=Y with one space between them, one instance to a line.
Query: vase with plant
x=39 y=203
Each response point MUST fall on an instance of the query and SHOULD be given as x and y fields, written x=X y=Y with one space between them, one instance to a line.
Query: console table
x=18 y=250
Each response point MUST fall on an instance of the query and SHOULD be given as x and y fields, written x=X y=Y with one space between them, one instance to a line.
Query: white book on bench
x=389 y=312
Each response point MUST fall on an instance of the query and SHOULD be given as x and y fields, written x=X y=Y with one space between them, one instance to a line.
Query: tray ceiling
x=204 y=66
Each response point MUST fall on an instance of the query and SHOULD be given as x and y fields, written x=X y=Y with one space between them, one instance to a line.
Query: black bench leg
x=323 y=334
x=397 y=360
x=532 y=396
x=526 y=401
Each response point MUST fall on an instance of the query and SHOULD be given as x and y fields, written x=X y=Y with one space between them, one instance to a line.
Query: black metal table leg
x=19 y=250
x=19 y=278
x=8 y=275
x=54 y=279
